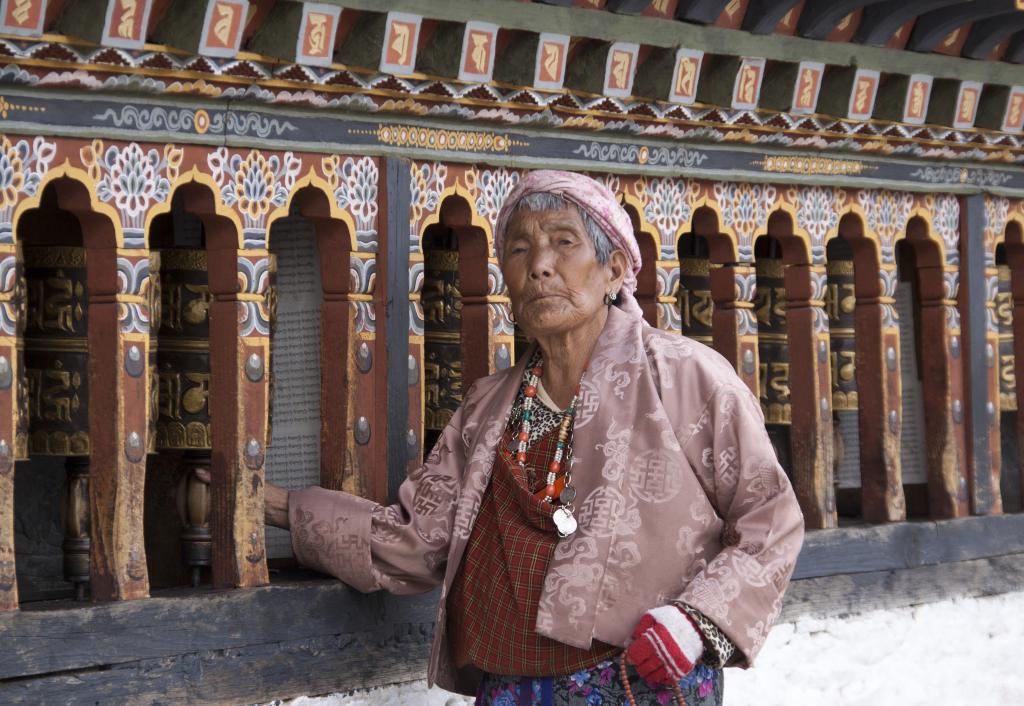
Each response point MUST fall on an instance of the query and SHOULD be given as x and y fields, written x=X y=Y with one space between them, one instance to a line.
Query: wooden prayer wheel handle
x=194 y=511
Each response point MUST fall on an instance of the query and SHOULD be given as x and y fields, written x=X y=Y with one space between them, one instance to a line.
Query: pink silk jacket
x=679 y=498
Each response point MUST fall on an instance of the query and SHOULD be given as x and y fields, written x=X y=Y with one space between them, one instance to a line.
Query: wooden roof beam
x=628 y=7
x=763 y=16
x=881 y=20
x=987 y=34
x=932 y=27
x=658 y=32
x=818 y=19
x=1015 y=51
x=703 y=12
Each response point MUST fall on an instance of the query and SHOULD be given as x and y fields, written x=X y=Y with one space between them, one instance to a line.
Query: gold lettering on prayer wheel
x=773 y=349
x=1004 y=315
x=442 y=315
x=695 y=303
x=183 y=361
x=840 y=305
x=57 y=351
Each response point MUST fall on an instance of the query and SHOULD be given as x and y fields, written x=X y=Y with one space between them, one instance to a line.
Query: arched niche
x=877 y=495
x=192 y=244
x=931 y=467
x=317 y=348
x=696 y=305
x=178 y=503
x=68 y=359
x=647 y=279
x=455 y=312
x=773 y=251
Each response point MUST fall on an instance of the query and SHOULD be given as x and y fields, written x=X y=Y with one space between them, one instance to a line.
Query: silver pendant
x=565 y=523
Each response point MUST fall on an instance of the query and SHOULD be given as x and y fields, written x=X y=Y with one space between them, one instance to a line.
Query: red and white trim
x=666 y=645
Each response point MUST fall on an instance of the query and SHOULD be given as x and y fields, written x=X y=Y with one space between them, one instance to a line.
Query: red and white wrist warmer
x=666 y=645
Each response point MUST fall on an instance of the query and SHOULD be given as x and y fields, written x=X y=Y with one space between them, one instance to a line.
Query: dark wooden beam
x=763 y=16
x=985 y=35
x=61 y=636
x=849 y=594
x=881 y=20
x=818 y=19
x=627 y=7
x=932 y=27
x=982 y=413
x=702 y=12
x=905 y=545
x=1015 y=51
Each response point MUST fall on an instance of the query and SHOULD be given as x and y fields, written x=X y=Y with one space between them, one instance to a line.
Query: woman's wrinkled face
x=554 y=280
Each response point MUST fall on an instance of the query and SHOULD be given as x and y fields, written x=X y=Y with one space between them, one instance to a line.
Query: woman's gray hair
x=542 y=201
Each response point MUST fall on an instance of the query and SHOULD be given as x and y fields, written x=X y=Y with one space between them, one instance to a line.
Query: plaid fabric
x=492 y=606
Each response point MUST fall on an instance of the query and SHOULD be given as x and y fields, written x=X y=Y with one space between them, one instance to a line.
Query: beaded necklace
x=558 y=485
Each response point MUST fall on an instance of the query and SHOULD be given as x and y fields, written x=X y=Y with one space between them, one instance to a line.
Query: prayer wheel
x=442 y=314
x=56 y=364
x=772 y=348
x=695 y=303
x=183 y=372
x=841 y=306
x=1004 y=315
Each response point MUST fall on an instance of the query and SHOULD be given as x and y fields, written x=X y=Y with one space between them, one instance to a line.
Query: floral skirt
x=600 y=685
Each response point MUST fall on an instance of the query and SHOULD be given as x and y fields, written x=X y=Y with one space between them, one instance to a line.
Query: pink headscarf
x=598 y=202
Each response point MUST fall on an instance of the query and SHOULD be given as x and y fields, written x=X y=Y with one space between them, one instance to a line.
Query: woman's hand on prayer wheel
x=275 y=501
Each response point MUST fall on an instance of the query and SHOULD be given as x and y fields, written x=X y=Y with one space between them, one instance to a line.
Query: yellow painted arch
x=195 y=176
x=83 y=178
x=320 y=184
x=476 y=219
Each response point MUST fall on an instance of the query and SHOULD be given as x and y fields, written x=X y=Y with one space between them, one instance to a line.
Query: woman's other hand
x=275 y=501
x=665 y=646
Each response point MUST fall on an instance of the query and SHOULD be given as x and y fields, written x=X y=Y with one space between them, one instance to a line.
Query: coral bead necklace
x=558 y=485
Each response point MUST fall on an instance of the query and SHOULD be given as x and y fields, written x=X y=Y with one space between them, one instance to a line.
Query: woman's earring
x=609 y=298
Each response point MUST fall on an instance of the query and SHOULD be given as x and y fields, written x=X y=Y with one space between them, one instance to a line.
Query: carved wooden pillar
x=811 y=429
x=339 y=358
x=118 y=420
x=943 y=394
x=735 y=328
x=878 y=389
x=239 y=346
x=696 y=307
x=11 y=319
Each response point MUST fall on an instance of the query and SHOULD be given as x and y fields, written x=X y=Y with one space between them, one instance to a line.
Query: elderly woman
x=607 y=520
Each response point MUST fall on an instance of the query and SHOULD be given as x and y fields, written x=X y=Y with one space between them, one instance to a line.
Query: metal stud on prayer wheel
x=183 y=369
x=56 y=375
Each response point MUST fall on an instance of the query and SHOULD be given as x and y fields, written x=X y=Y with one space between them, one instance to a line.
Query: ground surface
x=965 y=651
